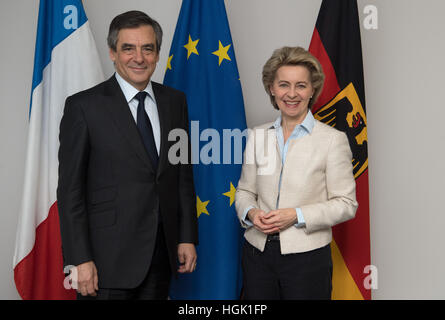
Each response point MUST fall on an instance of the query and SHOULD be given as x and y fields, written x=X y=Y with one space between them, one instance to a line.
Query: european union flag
x=202 y=64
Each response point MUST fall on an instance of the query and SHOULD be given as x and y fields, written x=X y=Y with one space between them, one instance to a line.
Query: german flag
x=336 y=43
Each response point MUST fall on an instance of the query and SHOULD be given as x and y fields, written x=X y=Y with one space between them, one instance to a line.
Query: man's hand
x=187 y=257
x=281 y=218
x=256 y=216
x=87 y=280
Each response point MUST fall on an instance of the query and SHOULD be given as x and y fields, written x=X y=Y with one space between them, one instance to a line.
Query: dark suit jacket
x=109 y=196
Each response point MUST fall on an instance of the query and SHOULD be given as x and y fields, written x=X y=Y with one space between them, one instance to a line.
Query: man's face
x=136 y=55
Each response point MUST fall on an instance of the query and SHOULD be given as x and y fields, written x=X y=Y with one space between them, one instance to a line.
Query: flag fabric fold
x=65 y=62
x=202 y=64
x=336 y=43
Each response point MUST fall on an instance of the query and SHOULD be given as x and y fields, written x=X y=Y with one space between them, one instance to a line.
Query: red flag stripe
x=34 y=268
x=331 y=87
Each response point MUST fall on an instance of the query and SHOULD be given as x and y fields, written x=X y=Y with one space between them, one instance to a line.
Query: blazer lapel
x=274 y=141
x=120 y=112
x=163 y=105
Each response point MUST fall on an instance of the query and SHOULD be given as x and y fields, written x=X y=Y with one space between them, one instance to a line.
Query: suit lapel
x=163 y=105
x=120 y=112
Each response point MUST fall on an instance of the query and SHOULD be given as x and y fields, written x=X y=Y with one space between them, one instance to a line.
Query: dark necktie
x=145 y=129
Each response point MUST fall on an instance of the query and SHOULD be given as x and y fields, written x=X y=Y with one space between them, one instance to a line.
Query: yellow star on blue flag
x=231 y=194
x=191 y=47
x=169 y=63
x=222 y=53
x=201 y=207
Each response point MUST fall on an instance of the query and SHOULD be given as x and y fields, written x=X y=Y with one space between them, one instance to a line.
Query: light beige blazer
x=317 y=177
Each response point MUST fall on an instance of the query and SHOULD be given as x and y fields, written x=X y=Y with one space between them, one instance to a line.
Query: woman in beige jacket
x=296 y=183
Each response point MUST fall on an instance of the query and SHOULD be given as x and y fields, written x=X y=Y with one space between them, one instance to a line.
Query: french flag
x=66 y=61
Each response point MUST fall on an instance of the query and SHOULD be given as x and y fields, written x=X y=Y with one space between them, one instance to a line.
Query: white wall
x=404 y=66
x=17 y=37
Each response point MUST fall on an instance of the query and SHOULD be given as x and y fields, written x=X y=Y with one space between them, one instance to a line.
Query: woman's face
x=292 y=89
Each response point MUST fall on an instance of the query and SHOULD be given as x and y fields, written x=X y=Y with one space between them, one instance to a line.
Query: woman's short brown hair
x=293 y=56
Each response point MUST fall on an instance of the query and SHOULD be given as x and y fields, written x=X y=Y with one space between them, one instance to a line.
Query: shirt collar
x=130 y=91
x=308 y=123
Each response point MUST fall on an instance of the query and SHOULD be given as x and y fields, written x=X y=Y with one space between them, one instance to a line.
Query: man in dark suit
x=127 y=215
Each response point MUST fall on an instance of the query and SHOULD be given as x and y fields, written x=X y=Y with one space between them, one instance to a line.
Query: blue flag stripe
x=54 y=25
